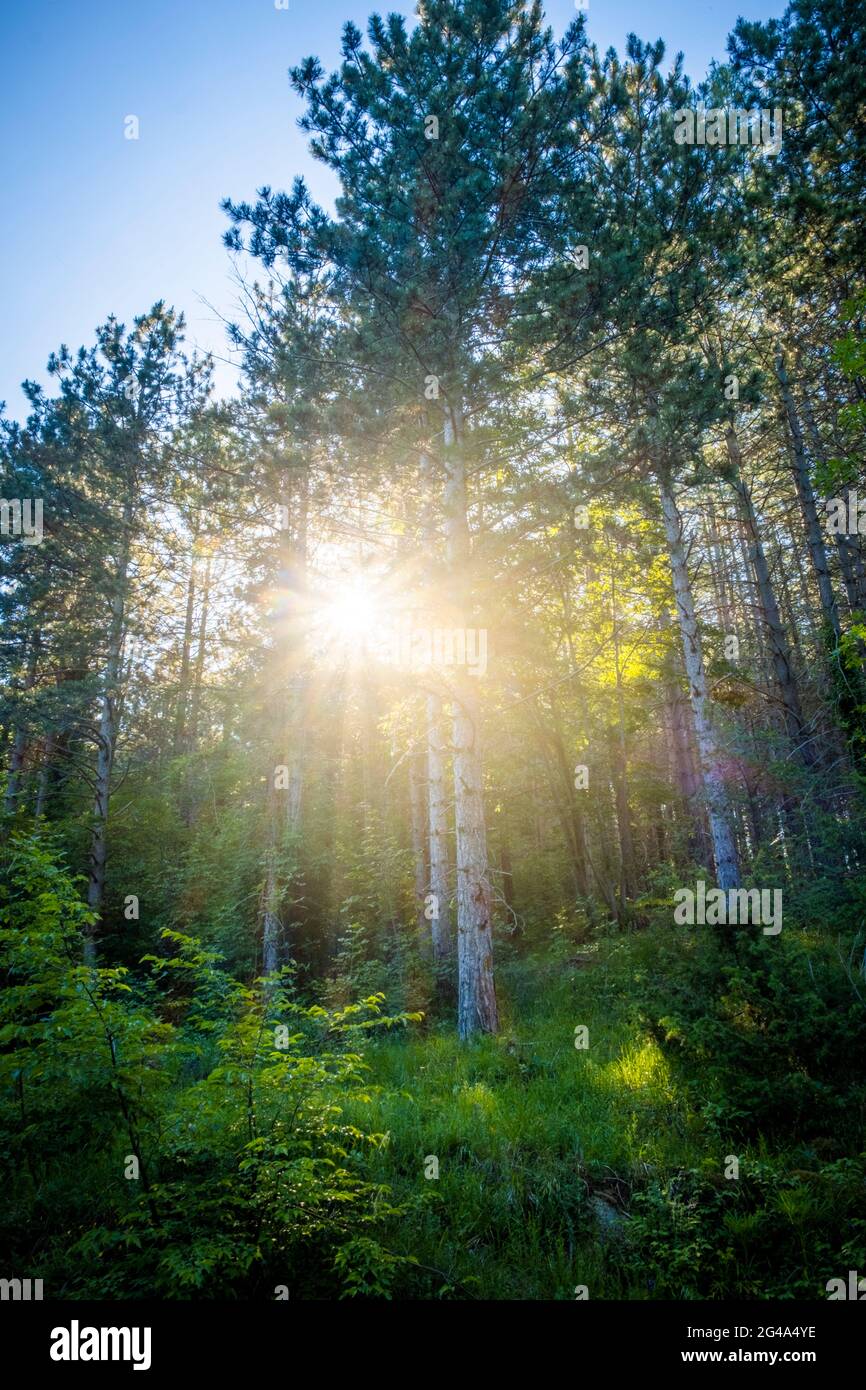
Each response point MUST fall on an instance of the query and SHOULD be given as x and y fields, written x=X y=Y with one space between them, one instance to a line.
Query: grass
x=527 y=1130
x=605 y=1167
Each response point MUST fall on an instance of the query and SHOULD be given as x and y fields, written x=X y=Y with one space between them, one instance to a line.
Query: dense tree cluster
x=523 y=582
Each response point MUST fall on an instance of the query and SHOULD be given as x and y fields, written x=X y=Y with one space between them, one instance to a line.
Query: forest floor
x=536 y=1138
x=603 y=1168
x=664 y=1114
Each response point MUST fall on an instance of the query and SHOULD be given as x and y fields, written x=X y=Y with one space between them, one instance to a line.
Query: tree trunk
x=43 y=785
x=777 y=641
x=108 y=724
x=683 y=771
x=434 y=765
x=562 y=792
x=19 y=741
x=288 y=719
x=201 y=646
x=180 y=713
x=619 y=755
x=477 y=1009
x=721 y=827
x=418 y=822
x=16 y=767
x=437 y=823
x=718 y=570
x=805 y=492
x=850 y=553
x=271 y=925
x=577 y=837
x=623 y=816
x=506 y=870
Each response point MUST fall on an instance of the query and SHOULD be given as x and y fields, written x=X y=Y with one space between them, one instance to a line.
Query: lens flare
x=352 y=613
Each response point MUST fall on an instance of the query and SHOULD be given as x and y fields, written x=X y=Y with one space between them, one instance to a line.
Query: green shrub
x=182 y=1133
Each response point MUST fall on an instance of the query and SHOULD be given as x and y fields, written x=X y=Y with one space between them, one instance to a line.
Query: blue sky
x=94 y=223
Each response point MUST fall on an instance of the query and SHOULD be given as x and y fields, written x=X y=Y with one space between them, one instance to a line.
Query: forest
x=432 y=850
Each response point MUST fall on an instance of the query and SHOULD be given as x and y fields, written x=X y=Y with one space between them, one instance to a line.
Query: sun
x=352 y=613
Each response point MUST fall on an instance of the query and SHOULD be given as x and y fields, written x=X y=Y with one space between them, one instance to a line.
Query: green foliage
x=298 y=1158
x=229 y=1097
x=849 y=354
x=774 y=1029
x=607 y=1167
x=774 y=1232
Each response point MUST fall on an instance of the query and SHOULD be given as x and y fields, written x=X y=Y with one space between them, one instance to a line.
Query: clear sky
x=95 y=223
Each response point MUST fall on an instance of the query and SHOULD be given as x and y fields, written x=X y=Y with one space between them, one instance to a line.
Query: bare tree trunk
x=623 y=816
x=108 y=725
x=619 y=754
x=850 y=553
x=576 y=819
x=43 y=785
x=298 y=746
x=439 y=911
x=289 y=718
x=284 y=825
x=270 y=909
x=19 y=741
x=683 y=770
x=719 y=572
x=201 y=646
x=805 y=492
x=787 y=600
x=477 y=1009
x=506 y=870
x=562 y=792
x=180 y=713
x=437 y=823
x=190 y=725
x=851 y=563
x=778 y=643
x=16 y=767
x=418 y=824
x=721 y=828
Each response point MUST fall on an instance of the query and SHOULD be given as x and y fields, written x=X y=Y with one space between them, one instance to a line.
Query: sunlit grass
x=642 y=1067
x=526 y=1128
